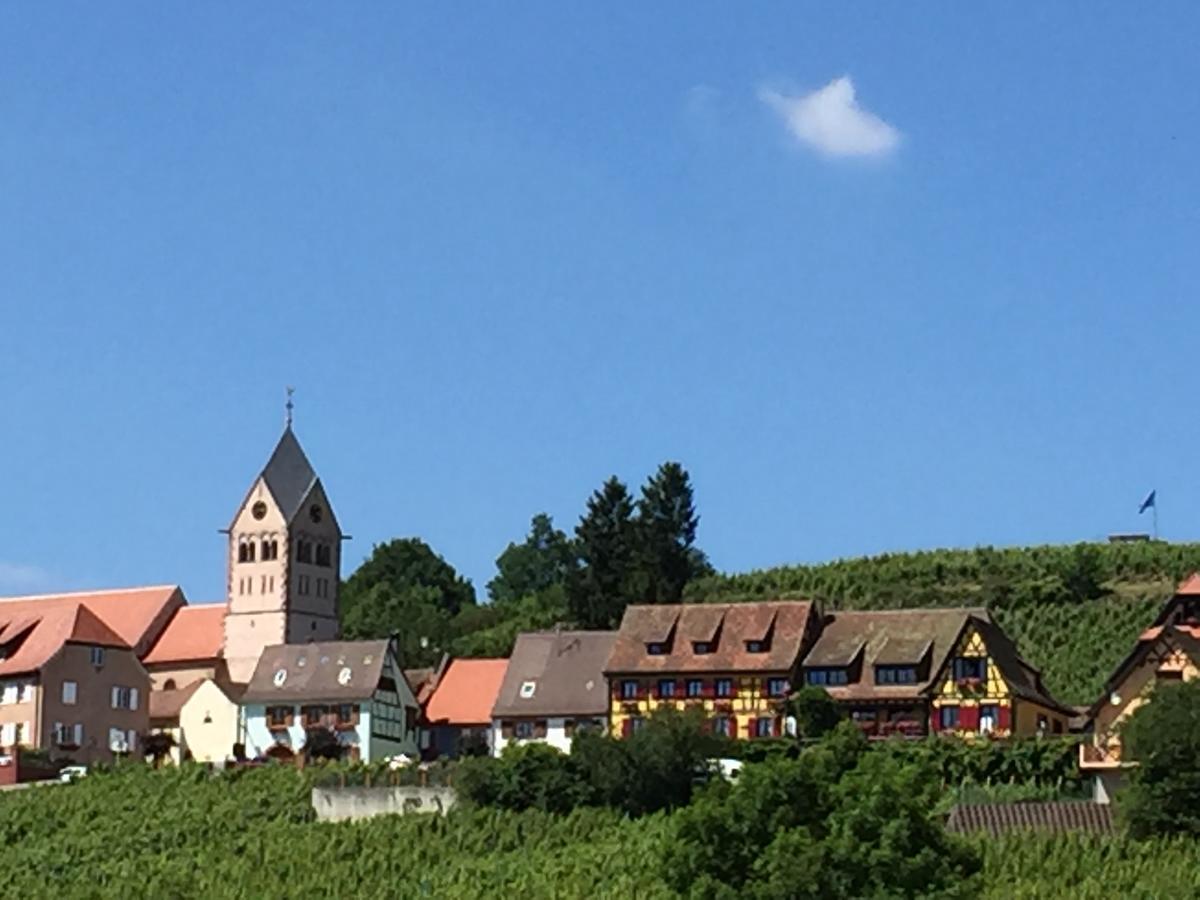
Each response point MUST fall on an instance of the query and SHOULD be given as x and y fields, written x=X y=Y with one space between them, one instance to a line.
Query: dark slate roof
x=313 y=672
x=889 y=637
x=1058 y=817
x=567 y=672
x=289 y=475
x=1023 y=680
x=783 y=624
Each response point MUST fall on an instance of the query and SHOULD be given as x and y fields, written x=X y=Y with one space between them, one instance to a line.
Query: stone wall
x=339 y=804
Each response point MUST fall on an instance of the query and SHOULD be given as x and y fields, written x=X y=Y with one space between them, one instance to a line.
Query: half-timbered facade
x=1168 y=651
x=356 y=689
x=915 y=671
x=737 y=662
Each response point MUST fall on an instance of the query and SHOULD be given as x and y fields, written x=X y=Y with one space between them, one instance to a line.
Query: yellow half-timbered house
x=737 y=662
x=1166 y=652
x=916 y=671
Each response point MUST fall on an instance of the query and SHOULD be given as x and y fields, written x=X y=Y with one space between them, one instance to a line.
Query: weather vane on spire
x=289 y=406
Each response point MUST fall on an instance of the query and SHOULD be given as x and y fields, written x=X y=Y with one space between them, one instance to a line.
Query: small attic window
x=656 y=648
x=701 y=648
x=758 y=646
x=527 y=689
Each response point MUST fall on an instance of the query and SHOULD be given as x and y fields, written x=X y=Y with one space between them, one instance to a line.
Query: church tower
x=284 y=562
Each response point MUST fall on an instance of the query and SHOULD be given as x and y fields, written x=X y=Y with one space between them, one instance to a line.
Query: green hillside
x=1074 y=610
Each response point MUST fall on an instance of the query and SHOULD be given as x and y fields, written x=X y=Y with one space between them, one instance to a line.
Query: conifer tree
x=598 y=589
x=666 y=557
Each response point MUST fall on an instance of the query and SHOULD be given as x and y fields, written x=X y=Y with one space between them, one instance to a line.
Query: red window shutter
x=680 y=687
x=1004 y=718
x=616 y=688
x=708 y=689
x=733 y=726
x=626 y=727
x=777 y=727
x=935 y=719
x=968 y=718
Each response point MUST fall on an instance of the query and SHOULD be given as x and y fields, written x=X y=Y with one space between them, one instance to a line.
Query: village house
x=553 y=685
x=738 y=662
x=354 y=689
x=83 y=675
x=1167 y=651
x=458 y=710
x=71 y=679
x=916 y=671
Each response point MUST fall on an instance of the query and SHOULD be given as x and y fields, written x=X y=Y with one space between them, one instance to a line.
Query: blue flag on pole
x=1148 y=502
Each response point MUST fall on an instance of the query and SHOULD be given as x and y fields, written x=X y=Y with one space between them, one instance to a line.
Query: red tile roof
x=44 y=623
x=1190 y=585
x=89 y=629
x=787 y=625
x=466 y=692
x=194 y=633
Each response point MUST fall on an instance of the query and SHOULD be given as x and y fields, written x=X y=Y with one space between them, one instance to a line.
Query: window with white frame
x=124 y=698
x=69 y=692
x=96 y=655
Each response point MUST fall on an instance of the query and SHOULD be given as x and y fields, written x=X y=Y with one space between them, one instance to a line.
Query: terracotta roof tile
x=134 y=615
x=784 y=623
x=1190 y=585
x=194 y=633
x=466 y=692
x=1056 y=817
x=89 y=629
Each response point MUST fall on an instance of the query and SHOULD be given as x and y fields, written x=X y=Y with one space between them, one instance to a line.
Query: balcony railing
x=1101 y=756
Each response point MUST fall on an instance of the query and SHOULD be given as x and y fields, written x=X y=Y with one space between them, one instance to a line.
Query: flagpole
x=1155 y=517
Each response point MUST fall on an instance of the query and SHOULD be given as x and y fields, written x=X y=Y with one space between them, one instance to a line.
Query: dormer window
x=700 y=648
x=827 y=676
x=895 y=674
x=756 y=647
x=656 y=648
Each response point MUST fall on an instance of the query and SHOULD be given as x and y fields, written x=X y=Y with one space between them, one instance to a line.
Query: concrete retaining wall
x=349 y=803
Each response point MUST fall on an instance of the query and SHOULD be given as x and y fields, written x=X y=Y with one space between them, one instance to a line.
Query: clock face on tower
x=315 y=512
x=259 y=510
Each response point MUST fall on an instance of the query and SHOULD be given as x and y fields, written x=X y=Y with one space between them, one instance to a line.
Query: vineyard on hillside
x=1075 y=611
x=185 y=833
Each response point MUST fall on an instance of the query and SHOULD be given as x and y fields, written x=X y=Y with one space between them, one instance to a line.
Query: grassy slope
x=1075 y=611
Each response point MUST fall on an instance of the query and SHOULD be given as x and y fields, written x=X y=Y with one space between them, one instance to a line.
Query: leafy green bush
x=654 y=769
x=839 y=821
x=1163 y=796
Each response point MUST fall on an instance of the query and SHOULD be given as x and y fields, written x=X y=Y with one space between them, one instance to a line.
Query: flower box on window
x=970 y=684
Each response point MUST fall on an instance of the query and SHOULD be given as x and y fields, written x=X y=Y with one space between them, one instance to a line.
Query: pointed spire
x=289 y=406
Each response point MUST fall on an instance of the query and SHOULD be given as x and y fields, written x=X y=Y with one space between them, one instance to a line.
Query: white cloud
x=18 y=578
x=831 y=122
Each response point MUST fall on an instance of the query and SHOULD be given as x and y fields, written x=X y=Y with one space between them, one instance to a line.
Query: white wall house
x=353 y=688
x=554 y=685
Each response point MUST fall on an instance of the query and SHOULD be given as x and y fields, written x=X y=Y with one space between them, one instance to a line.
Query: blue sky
x=508 y=251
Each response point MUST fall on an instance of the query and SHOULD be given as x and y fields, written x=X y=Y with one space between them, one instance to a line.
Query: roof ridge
x=912 y=609
x=73 y=595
